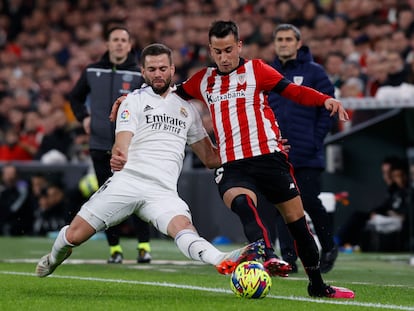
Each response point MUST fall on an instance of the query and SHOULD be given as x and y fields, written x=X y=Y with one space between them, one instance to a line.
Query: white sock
x=60 y=246
x=197 y=248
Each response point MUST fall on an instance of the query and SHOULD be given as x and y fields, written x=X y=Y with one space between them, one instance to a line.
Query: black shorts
x=270 y=174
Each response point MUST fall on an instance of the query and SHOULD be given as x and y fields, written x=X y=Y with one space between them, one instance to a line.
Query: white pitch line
x=102 y=261
x=134 y=265
x=221 y=290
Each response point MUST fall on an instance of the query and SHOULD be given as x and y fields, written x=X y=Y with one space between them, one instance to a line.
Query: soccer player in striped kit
x=250 y=146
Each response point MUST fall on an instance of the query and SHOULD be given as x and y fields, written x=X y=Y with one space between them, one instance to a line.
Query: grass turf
x=172 y=282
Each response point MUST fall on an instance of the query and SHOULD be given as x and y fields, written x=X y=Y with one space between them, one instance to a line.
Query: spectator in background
x=11 y=149
x=15 y=213
x=333 y=65
x=389 y=216
x=52 y=211
x=405 y=19
x=305 y=129
x=38 y=182
x=99 y=85
x=56 y=143
x=32 y=132
x=400 y=43
x=396 y=68
x=396 y=85
x=376 y=71
x=354 y=88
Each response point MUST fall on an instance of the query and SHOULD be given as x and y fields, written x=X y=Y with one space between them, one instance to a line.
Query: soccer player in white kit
x=152 y=128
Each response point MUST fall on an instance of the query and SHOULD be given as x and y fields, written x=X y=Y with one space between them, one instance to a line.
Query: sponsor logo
x=148 y=107
x=126 y=86
x=166 y=123
x=222 y=97
x=125 y=115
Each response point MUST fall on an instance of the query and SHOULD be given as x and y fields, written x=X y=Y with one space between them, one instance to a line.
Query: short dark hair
x=221 y=29
x=116 y=27
x=154 y=50
x=284 y=27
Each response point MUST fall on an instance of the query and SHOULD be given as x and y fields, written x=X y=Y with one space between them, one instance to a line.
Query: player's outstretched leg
x=46 y=266
x=61 y=250
x=252 y=251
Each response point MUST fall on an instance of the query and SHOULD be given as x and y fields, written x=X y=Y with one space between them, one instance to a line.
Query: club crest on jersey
x=183 y=112
x=298 y=80
x=241 y=78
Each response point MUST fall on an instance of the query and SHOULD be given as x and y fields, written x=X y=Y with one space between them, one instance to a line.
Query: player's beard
x=163 y=89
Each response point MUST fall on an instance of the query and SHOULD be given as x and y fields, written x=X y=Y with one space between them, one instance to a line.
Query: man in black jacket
x=305 y=128
x=100 y=84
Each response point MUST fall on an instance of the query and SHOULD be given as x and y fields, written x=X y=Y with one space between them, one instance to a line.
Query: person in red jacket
x=11 y=149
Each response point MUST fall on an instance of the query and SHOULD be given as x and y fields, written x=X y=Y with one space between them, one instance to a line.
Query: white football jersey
x=161 y=128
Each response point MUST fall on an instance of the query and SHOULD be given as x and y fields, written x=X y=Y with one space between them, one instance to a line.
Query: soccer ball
x=250 y=280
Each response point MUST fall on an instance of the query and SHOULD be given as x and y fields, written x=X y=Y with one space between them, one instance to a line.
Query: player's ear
x=172 y=69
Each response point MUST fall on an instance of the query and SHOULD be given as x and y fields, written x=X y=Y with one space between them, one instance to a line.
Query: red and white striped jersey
x=244 y=124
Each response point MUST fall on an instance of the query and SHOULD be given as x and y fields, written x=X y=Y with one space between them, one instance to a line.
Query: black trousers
x=100 y=159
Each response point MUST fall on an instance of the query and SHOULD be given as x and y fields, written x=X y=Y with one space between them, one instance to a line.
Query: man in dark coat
x=305 y=128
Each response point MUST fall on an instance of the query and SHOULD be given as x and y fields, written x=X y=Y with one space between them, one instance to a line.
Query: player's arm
x=207 y=152
x=120 y=150
x=298 y=93
x=115 y=107
x=310 y=97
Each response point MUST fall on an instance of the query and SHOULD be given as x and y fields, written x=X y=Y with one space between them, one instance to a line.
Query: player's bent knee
x=79 y=231
x=178 y=223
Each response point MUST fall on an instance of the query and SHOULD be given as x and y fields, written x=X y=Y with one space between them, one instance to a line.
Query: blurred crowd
x=366 y=47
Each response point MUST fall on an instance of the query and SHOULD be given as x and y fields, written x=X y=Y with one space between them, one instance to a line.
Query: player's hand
x=87 y=125
x=118 y=160
x=335 y=106
x=286 y=146
x=115 y=106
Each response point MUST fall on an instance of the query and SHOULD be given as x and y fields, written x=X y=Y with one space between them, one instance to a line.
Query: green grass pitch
x=172 y=282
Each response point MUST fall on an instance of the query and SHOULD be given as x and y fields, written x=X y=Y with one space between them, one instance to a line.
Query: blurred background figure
x=390 y=218
x=15 y=212
x=52 y=211
x=305 y=129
